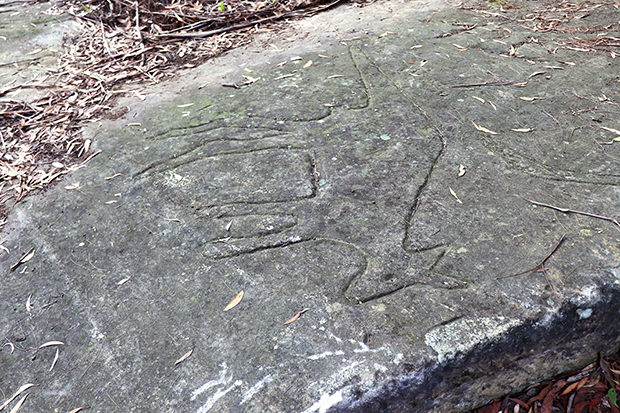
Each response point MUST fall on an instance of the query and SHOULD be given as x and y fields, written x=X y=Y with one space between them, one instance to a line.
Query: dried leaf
x=295 y=317
x=186 y=105
x=522 y=130
x=483 y=129
x=462 y=170
x=235 y=301
x=86 y=147
x=184 y=357
x=308 y=64
x=18 y=405
x=12 y=349
x=17 y=393
x=123 y=281
x=29 y=303
x=292 y=320
x=228 y=226
x=479 y=99
x=25 y=258
x=50 y=344
x=249 y=79
x=548 y=400
x=79 y=409
x=536 y=74
x=512 y=51
x=55 y=360
x=455 y=196
x=616 y=131
x=530 y=99
x=575 y=386
x=284 y=76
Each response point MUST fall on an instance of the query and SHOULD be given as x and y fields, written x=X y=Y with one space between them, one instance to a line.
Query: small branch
x=540 y=267
x=9 y=3
x=499 y=83
x=505 y=83
x=106 y=45
x=294 y=13
x=138 y=24
x=467 y=28
x=572 y=211
x=19 y=61
x=25 y=86
x=198 y=35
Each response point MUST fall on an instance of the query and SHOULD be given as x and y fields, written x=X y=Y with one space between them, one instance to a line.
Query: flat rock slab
x=372 y=184
x=31 y=36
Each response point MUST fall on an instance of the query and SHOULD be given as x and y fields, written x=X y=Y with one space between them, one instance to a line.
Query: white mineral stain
x=220 y=381
x=463 y=335
x=325 y=402
x=398 y=358
x=218 y=395
x=174 y=180
x=326 y=354
x=256 y=388
x=584 y=313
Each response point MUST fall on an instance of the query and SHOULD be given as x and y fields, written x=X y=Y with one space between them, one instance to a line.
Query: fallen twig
x=8 y=3
x=540 y=267
x=19 y=61
x=504 y=83
x=26 y=86
x=573 y=211
x=203 y=34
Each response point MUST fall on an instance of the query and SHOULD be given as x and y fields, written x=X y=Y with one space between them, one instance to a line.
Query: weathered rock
x=31 y=37
x=335 y=189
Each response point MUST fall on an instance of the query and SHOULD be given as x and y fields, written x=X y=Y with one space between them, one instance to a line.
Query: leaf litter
x=483 y=129
x=51 y=344
x=295 y=317
x=19 y=404
x=455 y=196
x=79 y=409
x=24 y=259
x=55 y=360
x=235 y=301
x=184 y=357
x=16 y=395
x=120 y=44
x=593 y=388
